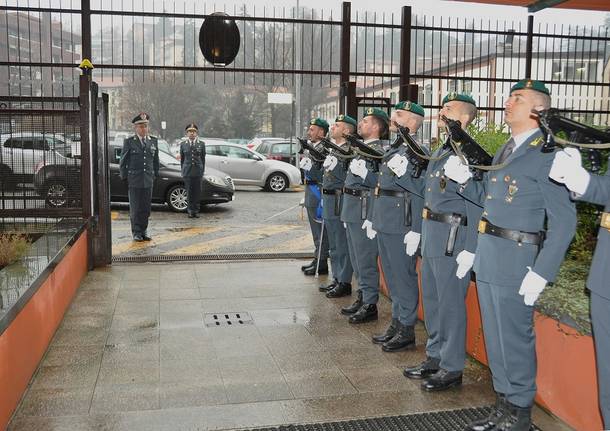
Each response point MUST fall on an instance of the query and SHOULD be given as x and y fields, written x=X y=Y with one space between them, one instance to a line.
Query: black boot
x=322 y=268
x=342 y=289
x=367 y=313
x=388 y=334
x=518 y=419
x=423 y=370
x=442 y=380
x=309 y=265
x=348 y=311
x=498 y=411
x=403 y=340
x=331 y=286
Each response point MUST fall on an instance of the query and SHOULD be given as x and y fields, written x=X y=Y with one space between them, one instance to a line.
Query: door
x=244 y=165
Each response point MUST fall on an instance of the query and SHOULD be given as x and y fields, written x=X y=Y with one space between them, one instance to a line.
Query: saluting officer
x=318 y=128
x=396 y=218
x=449 y=238
x=356 y=213
x=335 y=171
x=527 y=224
x=192 y=164
x=139 y=166
x=567 y=169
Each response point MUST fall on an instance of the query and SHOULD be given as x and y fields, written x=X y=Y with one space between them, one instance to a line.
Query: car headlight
x=214 y=180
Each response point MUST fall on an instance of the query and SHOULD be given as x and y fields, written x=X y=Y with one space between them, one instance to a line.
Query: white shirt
x=522 y=137
x=368 y=141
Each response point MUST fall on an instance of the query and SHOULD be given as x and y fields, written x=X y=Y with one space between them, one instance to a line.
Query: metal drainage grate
x=208 y=257
x=448 y=420
x=212 y=320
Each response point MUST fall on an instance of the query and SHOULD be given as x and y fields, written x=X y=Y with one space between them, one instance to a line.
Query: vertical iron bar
x=405 y=53
x=529 y=45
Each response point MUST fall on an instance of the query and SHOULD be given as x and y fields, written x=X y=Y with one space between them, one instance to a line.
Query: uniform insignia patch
x=512 y=190
x=536 y=142
x=443 y=184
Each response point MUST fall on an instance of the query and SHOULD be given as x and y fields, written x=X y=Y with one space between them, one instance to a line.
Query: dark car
x=279 y=150
x=58 y=183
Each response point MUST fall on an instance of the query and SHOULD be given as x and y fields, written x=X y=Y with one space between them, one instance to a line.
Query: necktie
x=142 y=143
x=507 y=151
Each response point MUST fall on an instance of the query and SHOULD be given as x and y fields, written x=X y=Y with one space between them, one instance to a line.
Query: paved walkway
x=134 y=352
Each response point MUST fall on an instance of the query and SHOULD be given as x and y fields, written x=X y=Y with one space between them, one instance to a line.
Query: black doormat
x=448 y=420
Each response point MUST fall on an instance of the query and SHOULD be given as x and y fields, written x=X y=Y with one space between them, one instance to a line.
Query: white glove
x=330 y=162
x=370 y=232
x=398 y=164
x=412 y=242
x=358 y=168
x=456 y=170
x=302 y=202
x=531 y=287
x=567 y=169
x=305 y=164
x=465 y=260
x=345 y=225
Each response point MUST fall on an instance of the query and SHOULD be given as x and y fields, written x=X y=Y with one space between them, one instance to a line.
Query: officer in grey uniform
x=448 y=245
x=334 y=172
x=356 y=213
x=318 y=128
x=397 y=212
x=139 y=166
x=567 y=169
x=527 y=224
x=192 y=164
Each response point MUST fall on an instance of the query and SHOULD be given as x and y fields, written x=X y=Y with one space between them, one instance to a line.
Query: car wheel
x=176 y=198
x=277 y=182
x=56 y=195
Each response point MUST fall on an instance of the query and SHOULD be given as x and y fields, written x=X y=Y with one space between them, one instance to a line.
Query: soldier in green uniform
x=192 y=165
x=139 y=166
x=527 y=224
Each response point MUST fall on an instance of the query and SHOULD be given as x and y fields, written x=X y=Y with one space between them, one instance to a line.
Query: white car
x=248 y=167
x=21 y=153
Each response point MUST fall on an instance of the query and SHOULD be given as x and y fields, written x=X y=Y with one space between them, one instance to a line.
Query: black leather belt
x=355 y=192
x=514 y=235
x=329 y=191
x=449 y=218
x=392 y=193
x=311 y=182
x=454 y=221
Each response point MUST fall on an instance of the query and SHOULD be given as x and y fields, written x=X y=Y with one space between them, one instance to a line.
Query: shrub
x=12 y=247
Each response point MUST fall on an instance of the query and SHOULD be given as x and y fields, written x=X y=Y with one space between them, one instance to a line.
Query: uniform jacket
x=441 y=196
x=192 y=158
x=352 y=209
x=598 y=192
x=139 y=165
x=334 y=180
x=521 y=196
x=314 y=174
x=389 y=213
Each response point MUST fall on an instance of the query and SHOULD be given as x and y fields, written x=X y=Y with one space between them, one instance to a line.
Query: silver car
x=248 y=167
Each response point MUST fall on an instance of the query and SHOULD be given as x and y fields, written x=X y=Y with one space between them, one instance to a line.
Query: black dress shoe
x=367 y=313
x=442 y=380
x=388 y=334
x=498 y=411
x=348 y=311
x=423 y=370
x=146 y=238
x=328 y=287
x=138 y=238
x=517 y=419
x=342 y=289
x=195 y=215
x=309 y=265
x=403 y=340
x=322 y=269
x=191 y=215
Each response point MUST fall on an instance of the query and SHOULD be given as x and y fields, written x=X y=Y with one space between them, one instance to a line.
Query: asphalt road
x=255 y=222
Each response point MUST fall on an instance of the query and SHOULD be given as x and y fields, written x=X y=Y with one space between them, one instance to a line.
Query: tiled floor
x=133 y=353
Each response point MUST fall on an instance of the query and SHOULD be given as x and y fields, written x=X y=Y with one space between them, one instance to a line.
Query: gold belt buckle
x=482 y=226
x=424 y=213
x=605 y=223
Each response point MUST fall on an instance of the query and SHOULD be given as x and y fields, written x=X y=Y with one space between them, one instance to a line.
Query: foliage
x=12 y=247
x=489 y=135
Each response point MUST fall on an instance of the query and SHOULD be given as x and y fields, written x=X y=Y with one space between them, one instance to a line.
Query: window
x=117 y=155
x=467 y=86
x=452 y=85
x=283 y=148
x=263 y=148
x=237 y=153
x=215 y=150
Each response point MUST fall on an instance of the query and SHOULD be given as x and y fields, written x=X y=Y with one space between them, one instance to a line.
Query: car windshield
x=167 y=159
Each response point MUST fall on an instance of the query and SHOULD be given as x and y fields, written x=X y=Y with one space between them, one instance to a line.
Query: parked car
x=284 y=150
x=22 y=152
x=59 y=183
x=248 y=167
x=119 y=137
x=254 y=143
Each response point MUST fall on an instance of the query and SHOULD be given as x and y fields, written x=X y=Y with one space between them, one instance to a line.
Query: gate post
x=404 y=92
x=84 y=100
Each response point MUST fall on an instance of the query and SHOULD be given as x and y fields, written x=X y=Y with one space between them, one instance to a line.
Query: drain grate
x=207 y=257
x=213 y=320
x=448 y=420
